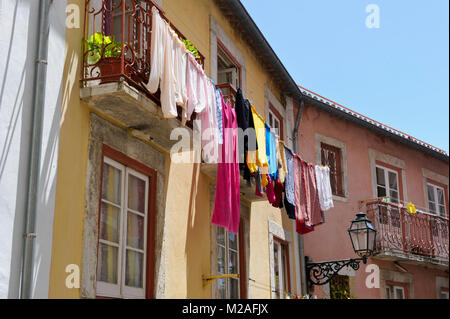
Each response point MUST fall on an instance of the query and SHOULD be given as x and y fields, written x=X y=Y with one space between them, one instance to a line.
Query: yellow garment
x=251 y=161
x=282 y=166
x=261 y=157
x=411 y=208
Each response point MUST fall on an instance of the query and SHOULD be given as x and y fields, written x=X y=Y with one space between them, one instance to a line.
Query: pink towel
x=227 y=201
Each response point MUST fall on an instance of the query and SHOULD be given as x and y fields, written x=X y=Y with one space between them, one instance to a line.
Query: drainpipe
x=301 y=251
x=37 y=109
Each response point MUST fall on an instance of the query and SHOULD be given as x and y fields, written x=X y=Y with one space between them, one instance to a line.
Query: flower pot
x=110 y=69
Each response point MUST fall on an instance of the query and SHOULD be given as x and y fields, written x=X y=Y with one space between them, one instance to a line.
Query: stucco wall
x=18 y=22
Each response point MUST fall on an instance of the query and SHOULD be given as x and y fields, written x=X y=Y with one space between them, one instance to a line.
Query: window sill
x=340 y=198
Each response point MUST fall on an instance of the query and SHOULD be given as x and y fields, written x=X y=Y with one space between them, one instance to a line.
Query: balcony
x=419 y=237
x=116 y=65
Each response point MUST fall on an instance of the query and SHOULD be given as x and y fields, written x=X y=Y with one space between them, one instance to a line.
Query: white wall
x=18 y=25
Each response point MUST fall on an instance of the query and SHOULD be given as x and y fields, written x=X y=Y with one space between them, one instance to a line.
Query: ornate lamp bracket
x=321 y=273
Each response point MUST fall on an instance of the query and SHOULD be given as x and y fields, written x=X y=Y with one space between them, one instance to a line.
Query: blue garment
x=271 y=152
x=289 y=181
x=219 y=114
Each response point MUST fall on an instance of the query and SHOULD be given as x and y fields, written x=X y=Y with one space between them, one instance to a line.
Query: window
x=276 y=121
x=444 y=293
x=340 y=287
x=395 y=292
x=281 y=268
x=332 y=157
x=123 y=258
x=228 y=70
x=436 y=200
x=227 y=263
x=387 y=183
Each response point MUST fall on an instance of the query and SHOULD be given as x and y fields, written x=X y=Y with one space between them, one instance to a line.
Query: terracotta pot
x=109 y=66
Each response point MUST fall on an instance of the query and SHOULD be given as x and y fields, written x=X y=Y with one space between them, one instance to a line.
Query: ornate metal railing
x=120 y=48
x=398 y=230
x=228 y=92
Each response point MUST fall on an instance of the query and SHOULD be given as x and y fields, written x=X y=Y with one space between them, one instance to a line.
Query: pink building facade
x=369 y=163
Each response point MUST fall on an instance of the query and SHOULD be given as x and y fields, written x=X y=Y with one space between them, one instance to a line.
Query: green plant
x=191 y=48
x=97 y=43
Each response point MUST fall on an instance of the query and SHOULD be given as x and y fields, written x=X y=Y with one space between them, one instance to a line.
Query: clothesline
x=277 y=169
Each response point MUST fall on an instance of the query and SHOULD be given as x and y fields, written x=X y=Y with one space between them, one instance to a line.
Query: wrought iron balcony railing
x=228 y=92
x=117 y=40
x=398 y=230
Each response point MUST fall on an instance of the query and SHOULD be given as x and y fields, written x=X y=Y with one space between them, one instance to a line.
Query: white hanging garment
x=210 y=142
x=324 y=187
x=201 y=92
x=158 y=41
x=169 y=83
x=180 y=60
x=191 y=86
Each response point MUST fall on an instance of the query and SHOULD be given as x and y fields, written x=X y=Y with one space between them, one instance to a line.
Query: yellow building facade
x=118 y=121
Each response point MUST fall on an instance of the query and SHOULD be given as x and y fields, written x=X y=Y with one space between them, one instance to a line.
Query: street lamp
x=362 y=234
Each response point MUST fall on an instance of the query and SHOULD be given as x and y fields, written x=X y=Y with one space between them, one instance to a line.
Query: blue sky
x=397 y=74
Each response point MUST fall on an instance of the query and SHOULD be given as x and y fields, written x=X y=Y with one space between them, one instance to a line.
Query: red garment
x=227 y=200
x=307 y=207
x=270 y=191
x=278 y=190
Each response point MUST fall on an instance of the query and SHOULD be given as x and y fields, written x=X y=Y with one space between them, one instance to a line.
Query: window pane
x=442 y=210
x=221 y=236
x=275 y=266
x=440 y=195
x=233 y=262
x=380 y=177
x=135 y=231
x=221 y=288
x=220 y=259
x=133 y=271
x=399 y=293
x=432 y=207
x=393 y=181
x=107 y=263
x=381 y=191
x=111 y=183
x=136 y=193
x=109 y=223
x=431 y=194
x=232 y=241
x=394 y=196
x=234 y=288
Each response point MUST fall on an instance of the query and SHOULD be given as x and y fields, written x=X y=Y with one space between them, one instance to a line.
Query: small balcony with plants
x=116 y=66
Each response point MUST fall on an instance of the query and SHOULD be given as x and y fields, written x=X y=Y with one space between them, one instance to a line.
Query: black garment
x=244 y=120
x=290 y=209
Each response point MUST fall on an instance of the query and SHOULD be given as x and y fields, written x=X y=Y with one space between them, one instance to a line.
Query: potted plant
x=104 y=52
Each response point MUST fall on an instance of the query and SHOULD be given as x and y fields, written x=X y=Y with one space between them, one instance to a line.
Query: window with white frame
x=436 y=200
x=227 y=263
x=395 y=292
x=387 y=183
x=444 y=293
x=227 y=70
x=281 y=269
x=122 y=242
x=275 y=123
